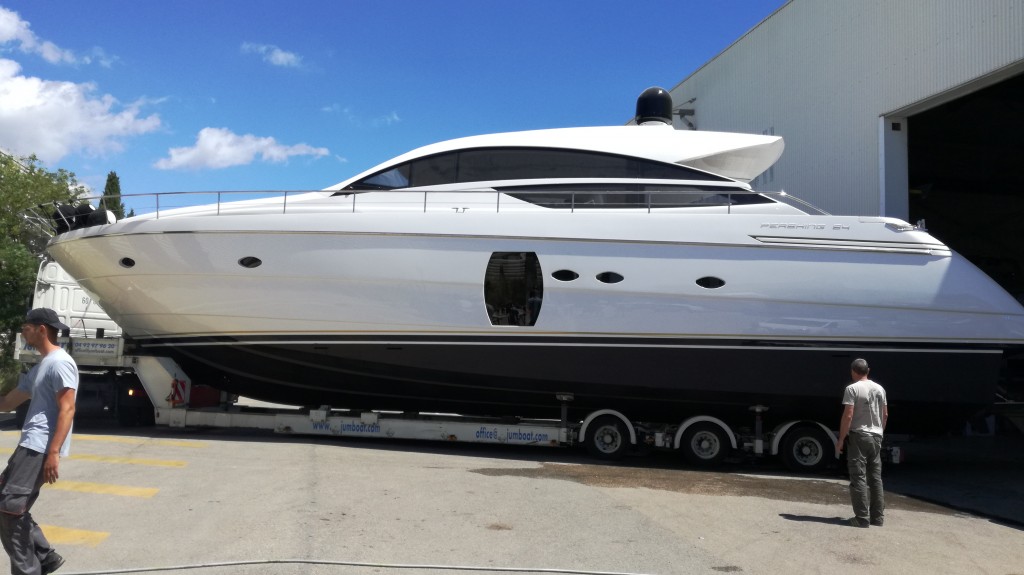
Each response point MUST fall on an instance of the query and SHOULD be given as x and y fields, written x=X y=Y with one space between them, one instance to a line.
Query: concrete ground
x=234 y=502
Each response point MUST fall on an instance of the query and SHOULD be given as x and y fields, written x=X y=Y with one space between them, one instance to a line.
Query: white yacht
x=632 y=267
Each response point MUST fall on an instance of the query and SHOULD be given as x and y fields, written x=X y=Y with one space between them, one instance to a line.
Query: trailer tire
x=607 y=438
x=705 y=444
x=806 y=449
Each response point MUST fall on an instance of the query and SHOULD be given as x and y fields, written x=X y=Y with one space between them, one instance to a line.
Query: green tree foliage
x=112 y=196
x=24 y=184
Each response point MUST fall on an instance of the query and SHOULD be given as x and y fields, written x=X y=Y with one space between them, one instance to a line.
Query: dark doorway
x=966 y=164
x=513 y=288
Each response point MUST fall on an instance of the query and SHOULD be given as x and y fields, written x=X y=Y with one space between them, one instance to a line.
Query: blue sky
x=272 y=95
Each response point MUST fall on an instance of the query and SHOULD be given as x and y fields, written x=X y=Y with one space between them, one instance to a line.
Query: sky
x=194 y=95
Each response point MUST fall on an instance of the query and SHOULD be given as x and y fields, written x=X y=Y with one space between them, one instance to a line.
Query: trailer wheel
x=705 y=444
x=607 y=438
x=806 y=449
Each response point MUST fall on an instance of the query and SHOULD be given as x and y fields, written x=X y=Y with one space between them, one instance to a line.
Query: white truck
x=144 y=389
x=97 y=345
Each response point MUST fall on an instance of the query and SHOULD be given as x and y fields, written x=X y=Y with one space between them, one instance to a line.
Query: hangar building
x=911 y=108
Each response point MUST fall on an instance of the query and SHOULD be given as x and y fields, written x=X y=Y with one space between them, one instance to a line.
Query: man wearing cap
x=865 y=413
x=45 y=437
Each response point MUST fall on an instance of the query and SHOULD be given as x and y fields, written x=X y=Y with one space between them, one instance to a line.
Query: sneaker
x=856 y=522
x=878 y=522
x=51 y=563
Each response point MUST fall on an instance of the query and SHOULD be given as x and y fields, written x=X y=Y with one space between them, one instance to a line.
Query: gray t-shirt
x=55 y=372
x=868 y=401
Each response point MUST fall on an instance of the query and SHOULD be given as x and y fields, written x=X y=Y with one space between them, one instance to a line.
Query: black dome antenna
x=654 y=106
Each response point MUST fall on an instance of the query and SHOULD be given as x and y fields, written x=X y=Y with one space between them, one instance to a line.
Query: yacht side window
x=490 y=164
x=394 y=178
x=513 y=288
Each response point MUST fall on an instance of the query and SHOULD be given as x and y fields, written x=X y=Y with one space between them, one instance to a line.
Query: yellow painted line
x=102 y=488
x=116 y=459
x=129 y=460
x=65 y=536
x=130 y=440
x=139 y=440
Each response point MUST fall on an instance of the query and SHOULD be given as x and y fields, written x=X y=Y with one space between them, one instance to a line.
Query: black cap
x=45 y=316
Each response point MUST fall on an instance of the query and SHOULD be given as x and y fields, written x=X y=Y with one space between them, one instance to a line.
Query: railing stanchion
x=284 y=204
x=157 y=206
x=425 y=202
x=218 y=203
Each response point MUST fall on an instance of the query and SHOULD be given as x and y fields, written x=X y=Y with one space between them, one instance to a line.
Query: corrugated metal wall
x=820 y=73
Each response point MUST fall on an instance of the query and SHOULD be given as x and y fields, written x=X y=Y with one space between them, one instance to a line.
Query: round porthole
x=127 y=262
x=250 y=262
x=710 y=282
x=609 y=278
x=565 y=275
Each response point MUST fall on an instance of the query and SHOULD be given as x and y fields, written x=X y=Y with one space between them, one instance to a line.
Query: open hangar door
x=966 y=178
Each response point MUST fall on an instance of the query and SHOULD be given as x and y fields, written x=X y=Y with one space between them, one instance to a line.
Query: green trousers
x=864 y=458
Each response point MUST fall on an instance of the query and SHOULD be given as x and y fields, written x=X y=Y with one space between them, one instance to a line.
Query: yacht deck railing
x=51 y=220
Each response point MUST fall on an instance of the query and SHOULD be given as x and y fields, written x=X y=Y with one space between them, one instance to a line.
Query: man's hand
x=839 y=447
x=50 y=467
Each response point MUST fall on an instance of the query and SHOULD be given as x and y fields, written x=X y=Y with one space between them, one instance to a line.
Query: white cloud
x=273 y=55
x=387 y=120
x=99 y=56
x=221 y=148
x=52 y=119
x=14 y=29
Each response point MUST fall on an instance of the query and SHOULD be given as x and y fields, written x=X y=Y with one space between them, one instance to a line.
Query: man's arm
x=66 y=401
x=885 y=415
x=12 y=400
x=844 y=428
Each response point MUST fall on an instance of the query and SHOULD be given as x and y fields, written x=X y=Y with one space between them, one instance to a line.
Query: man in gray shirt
x=46 y=436
x=864 y=416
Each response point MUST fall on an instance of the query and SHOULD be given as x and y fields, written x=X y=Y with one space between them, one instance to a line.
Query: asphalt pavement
x=241 y=501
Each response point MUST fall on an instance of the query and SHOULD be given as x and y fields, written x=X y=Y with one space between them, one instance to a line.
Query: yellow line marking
x=103 y=488
x=65 y=536
x=130 y=440
x=129 y=460
x=116 y=459
x=140 y=440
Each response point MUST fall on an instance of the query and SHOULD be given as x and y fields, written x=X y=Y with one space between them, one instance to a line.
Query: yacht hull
x=659 y=316
x=931 y=388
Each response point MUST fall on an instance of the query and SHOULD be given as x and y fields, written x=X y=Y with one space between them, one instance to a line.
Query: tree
x=112 y=196
x=24 y=184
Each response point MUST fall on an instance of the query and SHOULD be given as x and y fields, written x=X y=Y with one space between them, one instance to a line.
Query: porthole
x=609 y=278
x=127 y=262
x=565 y=275
x=710 y=282
x=250 y=262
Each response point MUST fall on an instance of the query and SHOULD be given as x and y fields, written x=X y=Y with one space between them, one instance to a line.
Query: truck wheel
x=705 y=444
x=807 y=449
x=607 y=438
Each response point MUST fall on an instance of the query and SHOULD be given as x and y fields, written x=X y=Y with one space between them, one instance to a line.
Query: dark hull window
x=513 y=288
x=595 y=196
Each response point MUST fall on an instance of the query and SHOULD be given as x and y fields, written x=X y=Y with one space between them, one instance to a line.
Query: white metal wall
x=821 y=74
